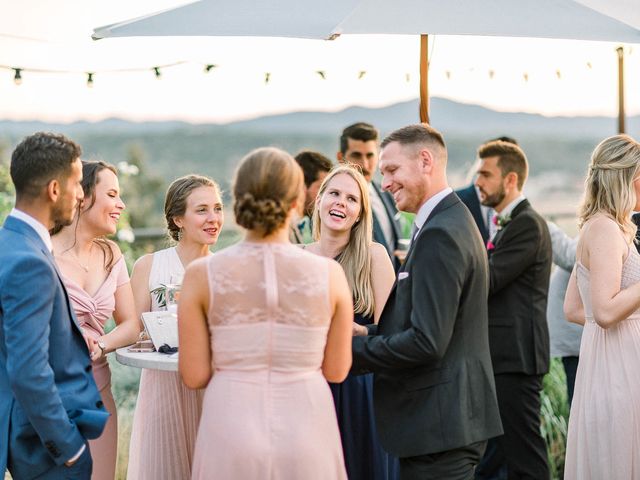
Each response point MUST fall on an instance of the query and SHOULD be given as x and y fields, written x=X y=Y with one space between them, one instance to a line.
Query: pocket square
x=403 y=275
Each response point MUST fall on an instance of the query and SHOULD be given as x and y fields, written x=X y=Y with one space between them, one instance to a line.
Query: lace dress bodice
x=269 y=308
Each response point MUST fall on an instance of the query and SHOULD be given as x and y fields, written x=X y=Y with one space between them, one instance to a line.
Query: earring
x=180 y=234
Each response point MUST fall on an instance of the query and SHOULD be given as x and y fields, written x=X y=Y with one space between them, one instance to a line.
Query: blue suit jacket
x=378 y=234
x=469 y=197
x=49 y=402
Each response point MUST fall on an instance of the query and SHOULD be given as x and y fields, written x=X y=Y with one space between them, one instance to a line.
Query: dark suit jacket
x=433 y=384
x=469 y=197
x=392 y=211
x=49 y=403
x=519 y=268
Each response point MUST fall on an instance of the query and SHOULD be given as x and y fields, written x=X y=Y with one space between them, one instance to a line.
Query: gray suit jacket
x=433 y=382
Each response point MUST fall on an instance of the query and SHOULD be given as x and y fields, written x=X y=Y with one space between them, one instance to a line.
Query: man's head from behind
x=413 y=162
x=359 y=146
x=46 y=169
x=315 y=167
x=502 y=173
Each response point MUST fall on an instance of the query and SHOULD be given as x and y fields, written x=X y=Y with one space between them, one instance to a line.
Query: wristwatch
x=103 y=347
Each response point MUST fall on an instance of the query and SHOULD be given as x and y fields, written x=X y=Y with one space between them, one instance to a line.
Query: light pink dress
x=268 y=411
x=92 y=312
x=604 y=425
x=167 y=413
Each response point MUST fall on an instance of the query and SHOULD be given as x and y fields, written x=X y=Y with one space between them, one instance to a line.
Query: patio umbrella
x=606 y=20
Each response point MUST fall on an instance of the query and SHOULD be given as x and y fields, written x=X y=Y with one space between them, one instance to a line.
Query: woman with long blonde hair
x=343 y=225
x=604 y=295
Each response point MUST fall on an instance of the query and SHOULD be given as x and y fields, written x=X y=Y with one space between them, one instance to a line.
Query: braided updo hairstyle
x=267 y=183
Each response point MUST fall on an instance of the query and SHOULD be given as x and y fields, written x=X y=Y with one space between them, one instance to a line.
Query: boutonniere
x=490 y=245
x=160 y=294
x=501 y=220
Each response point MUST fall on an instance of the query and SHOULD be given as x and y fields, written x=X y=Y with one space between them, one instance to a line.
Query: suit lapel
x=521 y=207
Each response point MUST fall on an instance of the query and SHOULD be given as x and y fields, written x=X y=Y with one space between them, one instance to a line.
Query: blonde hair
x=267 y=183
x=615 y=164
x=355 y=259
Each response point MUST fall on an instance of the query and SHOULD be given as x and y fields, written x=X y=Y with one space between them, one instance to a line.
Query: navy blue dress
x=364 y=457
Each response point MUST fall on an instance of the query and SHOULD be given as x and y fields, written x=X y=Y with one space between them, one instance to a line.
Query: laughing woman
x=342 y=225
x=96 y=278
x=167 y=413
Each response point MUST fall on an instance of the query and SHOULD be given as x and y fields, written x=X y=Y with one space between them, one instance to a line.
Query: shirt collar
x=428 y=206
x=509 y=208
x=40 y=229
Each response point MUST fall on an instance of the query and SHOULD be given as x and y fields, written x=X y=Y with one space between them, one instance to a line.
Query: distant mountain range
x=452 y=118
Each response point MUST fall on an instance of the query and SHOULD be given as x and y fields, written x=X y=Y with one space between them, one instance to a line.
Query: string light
x=17 y=77
x=89 y=79
x=209 y=67
x=559 y=74
x=491 y=74
x=267 y=78
x=361 y=74
x=156 y=71
x=525 y=75
x=448 y=74
x=407 y=77
x=322 y=74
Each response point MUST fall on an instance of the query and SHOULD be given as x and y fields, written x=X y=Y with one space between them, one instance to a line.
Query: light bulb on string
x=267 y=78
x=90 y=79
x=156 y=71
x=322 y=74
x=361 y=74
x=209 y=67
x=17 y=77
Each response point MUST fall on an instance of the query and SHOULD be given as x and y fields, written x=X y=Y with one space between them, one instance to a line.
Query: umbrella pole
x=424 y=78
x=621 y=125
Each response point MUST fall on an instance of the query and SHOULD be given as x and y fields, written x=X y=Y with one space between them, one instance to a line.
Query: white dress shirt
x=426 y=209
x=40 y=229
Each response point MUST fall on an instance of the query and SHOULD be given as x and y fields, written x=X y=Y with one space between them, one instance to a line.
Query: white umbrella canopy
x=605 y=20
x=608 y=20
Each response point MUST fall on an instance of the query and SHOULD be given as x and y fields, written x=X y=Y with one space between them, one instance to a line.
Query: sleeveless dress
x=364 y=457
x=267 y=411
x=167 y=413
x=604 y=425
x=92 y=312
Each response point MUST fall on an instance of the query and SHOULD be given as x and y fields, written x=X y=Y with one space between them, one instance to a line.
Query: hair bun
x=265 y=213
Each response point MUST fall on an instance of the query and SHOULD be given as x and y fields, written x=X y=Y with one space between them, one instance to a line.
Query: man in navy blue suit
x=49 y=403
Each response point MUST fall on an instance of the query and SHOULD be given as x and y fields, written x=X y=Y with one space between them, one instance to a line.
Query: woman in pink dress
x=604 y=295
x=263 y=325
x=167 y=413
x=95 y=275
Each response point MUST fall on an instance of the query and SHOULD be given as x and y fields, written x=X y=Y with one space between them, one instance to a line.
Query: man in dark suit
x=434 y=393
x=470 y=196
x=519 y=267
x=359 y=146
x=49 y=403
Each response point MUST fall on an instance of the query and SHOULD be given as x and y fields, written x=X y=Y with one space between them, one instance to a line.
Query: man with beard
x=49 y=403
x=519 y=268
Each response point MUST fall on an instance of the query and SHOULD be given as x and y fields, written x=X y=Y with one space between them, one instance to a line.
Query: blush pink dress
x=167 y=413
x=268 y=411
x=604 y=424
x=92 y=312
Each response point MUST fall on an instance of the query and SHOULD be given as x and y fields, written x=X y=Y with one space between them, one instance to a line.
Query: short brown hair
x=267 y=182
x=511 y=158
x=312 y=163
x=362 y=131
x=415 y=134
x=175 y=201
x=40 y=158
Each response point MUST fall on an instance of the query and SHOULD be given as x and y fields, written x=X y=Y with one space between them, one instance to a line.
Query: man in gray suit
x=49 y=403
x=434 y=393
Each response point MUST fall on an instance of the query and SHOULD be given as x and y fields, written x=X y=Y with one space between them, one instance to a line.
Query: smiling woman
x=95 y=275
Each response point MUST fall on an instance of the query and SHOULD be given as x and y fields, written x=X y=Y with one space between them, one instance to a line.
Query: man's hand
x=359 y=330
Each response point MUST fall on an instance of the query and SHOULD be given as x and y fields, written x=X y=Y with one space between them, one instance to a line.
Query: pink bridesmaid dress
x=167 y=413
x=92 y=312
x=604 y=424
x=268 y=411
